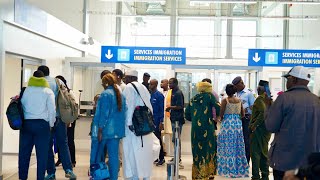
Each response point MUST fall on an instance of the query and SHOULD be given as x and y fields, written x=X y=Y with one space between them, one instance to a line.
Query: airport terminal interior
x=68 y=36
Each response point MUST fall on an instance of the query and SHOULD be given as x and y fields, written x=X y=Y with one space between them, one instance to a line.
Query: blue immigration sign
x=283 y=57
x=143 y=55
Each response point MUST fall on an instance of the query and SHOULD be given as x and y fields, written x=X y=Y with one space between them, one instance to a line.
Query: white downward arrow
x=109 y=55
x=256 y=58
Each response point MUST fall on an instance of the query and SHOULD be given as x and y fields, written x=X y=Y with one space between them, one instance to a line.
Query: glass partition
x=226 y=78
x=197 y=35
x=141 y=31
x=243 y=38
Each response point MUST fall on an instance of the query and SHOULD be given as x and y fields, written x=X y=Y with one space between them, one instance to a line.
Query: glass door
x=188 y=82
x=225 y=78
x=184 y=79
x=28 y=67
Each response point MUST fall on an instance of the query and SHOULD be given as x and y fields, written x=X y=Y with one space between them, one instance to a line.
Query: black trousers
x=278 y=175
x=157 y=132
x=246 y=135
x=71 y=144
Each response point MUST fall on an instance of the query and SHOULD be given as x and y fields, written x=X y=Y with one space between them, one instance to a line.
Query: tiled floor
x=10 y=163
x=81 y=169
x=82 y=156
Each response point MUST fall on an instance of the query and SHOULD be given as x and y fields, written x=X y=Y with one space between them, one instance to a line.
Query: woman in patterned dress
x=232 y=161
x=203 y=138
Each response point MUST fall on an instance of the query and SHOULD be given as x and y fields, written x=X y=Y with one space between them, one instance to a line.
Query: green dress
x=203 y=138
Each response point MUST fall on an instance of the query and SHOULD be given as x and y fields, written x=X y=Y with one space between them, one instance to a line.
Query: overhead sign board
x=283 y=57
x=143 y=55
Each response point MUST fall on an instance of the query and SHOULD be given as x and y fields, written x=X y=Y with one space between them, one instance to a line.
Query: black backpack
x=142 y=119
x=15 y=112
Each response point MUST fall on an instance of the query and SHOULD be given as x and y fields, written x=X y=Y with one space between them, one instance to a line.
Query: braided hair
x=109 y=80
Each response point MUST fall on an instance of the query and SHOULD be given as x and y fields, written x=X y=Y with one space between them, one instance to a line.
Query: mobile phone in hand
x=267 y=89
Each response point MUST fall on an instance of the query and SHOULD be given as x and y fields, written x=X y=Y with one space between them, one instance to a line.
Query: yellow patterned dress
x=203 y=138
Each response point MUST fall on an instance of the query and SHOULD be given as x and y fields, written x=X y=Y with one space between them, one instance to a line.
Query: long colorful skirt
x=231 y=154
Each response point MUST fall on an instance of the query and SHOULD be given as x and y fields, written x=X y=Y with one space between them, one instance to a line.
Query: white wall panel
x=19 y=41
x=69 y=11
x=29 y=44
x=11 y=88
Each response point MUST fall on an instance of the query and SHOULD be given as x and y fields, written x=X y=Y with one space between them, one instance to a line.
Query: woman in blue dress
x=108 y=125
x=232 y=160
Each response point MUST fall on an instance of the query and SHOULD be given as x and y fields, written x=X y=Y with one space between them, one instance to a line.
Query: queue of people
x=246 y=126
x=42 y=122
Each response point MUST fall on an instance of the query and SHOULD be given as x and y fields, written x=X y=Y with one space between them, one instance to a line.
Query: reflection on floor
x=81 y=169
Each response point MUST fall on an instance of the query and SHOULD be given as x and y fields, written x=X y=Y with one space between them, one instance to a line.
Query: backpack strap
x=144 y=105
x=21 y=93
x=138 y=93
x=58 y=84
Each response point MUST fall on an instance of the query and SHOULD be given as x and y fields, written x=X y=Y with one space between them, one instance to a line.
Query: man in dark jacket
x=295 y=119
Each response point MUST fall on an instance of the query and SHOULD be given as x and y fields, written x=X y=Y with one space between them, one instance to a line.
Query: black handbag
x=142 y=119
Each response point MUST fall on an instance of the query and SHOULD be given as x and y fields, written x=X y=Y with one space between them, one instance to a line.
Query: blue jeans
x=60 y=133
x=34 y=132
x=98 y=153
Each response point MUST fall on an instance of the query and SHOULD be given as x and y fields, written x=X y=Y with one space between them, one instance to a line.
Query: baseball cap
x=236 y=80
x=299 y=72
x=132 y=73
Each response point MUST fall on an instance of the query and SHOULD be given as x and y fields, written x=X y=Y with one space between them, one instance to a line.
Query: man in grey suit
x=295 y=119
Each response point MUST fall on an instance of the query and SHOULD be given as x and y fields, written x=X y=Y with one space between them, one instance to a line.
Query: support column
x=85 y=19
x=286 y=13
x=229 y=33
x=217 y=31
x=173 y=24
x=118 y=23
x=85 y=26
x=2 y=78
x=258 y=25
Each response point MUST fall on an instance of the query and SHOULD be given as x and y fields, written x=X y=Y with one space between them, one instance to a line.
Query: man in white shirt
x=137 y=150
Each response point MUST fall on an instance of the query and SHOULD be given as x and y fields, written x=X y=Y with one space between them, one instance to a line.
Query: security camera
x=90 y=41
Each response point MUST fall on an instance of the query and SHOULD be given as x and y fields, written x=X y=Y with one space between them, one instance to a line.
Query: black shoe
x=161 y=162
x=57 y=163
x=74 y=164
x=156 y=161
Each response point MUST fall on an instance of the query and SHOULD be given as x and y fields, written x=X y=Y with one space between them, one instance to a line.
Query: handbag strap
x=138 y=93
x=58 y=84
